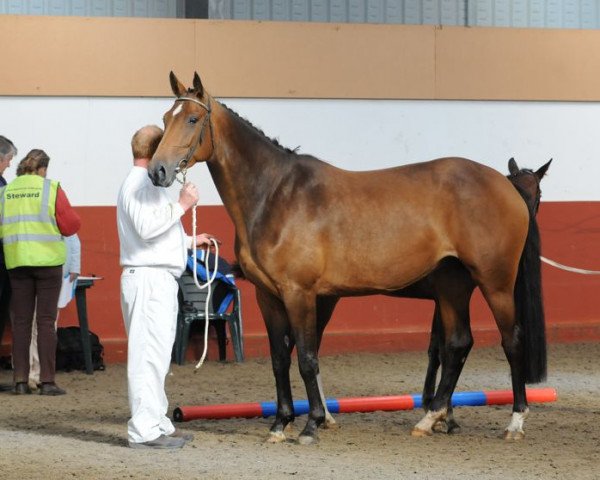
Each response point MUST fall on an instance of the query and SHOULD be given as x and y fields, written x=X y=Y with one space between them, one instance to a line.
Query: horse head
x=188 y=136
x=528 y=182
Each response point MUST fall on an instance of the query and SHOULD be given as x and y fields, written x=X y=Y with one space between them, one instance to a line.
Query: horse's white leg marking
x=329 y=420
x=425 y=425
x=276 y=437
x=177 y=109
x=447 y=424
x=514 y=431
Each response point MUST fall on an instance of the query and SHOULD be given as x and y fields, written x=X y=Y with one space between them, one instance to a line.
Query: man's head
x=7 y=152
x=144 y=143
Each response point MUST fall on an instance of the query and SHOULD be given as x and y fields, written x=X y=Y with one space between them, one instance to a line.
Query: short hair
x=7 y=147
x=145 y=141
x=32 y=162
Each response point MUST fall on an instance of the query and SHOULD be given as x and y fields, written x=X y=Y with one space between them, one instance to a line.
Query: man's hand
x=203 y=241
x=188 y=196
x=73 y=276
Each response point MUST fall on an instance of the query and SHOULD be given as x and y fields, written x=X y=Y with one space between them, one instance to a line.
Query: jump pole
x=358 y=404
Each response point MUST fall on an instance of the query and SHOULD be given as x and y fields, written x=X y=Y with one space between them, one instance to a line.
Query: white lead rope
x=568 y=269
x=210 y=279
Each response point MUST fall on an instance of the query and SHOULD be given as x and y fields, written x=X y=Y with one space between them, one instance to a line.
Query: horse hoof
x=330 y=424
x=289 y=428
x=417 y=432
x=514 y=435
x=453 y=428
x=276 y=437
x=306 y=440
x=439 y=427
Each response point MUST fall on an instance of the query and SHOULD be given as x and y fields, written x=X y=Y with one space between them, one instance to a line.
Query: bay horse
x=308 y=233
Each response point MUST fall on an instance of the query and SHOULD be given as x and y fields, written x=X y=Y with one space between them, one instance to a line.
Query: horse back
x=338 y=230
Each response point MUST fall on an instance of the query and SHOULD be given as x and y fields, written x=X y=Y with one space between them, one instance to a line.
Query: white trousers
x=149 y=306
x=34 y=358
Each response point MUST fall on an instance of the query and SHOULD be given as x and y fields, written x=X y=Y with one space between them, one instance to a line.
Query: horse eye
x=193 y=120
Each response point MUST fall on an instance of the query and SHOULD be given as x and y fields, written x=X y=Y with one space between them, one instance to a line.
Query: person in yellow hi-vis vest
x=35 y=214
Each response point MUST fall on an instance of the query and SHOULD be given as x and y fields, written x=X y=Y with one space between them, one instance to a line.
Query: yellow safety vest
x=28 y=228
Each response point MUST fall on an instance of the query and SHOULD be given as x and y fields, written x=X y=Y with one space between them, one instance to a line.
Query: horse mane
x=249 y=124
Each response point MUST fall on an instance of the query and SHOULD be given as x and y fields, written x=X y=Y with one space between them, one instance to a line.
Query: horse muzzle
x=161 y=175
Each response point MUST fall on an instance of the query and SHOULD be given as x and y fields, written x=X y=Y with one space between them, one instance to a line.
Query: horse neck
x=245 y=167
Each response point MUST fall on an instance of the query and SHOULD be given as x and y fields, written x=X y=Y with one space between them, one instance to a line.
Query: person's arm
x=152 y=214
x=73 y=256
x=67 y=220
x=149 y=220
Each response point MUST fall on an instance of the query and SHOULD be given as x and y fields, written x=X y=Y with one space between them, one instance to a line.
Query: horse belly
x=386 y=262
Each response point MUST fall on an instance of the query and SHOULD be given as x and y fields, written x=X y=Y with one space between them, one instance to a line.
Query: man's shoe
x=162 y=442
x=22 y=388
x=51 y=389
x=188 y=437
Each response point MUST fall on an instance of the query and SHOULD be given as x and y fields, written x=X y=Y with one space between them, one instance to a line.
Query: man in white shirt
x=153 y=250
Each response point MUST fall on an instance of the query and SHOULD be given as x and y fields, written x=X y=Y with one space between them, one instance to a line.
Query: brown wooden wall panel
x=279 y=59
x=92 y=56
x=517 y=64
x=132 y=57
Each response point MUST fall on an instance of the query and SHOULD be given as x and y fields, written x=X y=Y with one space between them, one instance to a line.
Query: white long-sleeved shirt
x=149 y=225
x=73 y=263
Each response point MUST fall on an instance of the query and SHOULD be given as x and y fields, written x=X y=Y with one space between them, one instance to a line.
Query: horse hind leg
x=502 y=305
x=433 y=354
x=325 y=307
x=457 y=342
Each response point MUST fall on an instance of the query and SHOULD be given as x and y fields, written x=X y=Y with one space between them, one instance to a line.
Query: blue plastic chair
x=192 y=303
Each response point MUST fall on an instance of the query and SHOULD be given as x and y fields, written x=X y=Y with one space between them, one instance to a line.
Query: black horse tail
x=529 y=307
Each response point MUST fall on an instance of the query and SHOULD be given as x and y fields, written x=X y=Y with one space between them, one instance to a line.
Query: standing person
x=35 y=215
x=39 y=166
x=7 y=152
x=153 y=250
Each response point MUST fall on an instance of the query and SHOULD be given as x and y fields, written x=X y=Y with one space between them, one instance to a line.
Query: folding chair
x=192 y=303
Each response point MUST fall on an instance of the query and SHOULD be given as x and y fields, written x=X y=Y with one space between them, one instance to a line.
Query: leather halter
x=182 y=166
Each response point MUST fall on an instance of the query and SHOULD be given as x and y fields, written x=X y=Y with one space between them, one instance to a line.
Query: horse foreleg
x=301 y=309
x=281 y=343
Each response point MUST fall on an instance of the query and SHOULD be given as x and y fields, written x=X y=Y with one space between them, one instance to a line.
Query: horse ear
x=542 y=170
x=198 y=88
x=176 y=85
x=513 y=168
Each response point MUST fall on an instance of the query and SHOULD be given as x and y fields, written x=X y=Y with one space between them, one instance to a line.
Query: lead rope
x=210 y=278
x=569 y=269
x=207 y=285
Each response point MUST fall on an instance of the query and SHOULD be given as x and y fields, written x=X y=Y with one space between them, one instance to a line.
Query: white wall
x=88 y=138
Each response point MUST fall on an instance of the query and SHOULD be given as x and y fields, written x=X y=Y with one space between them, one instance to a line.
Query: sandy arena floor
x=82 y=435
